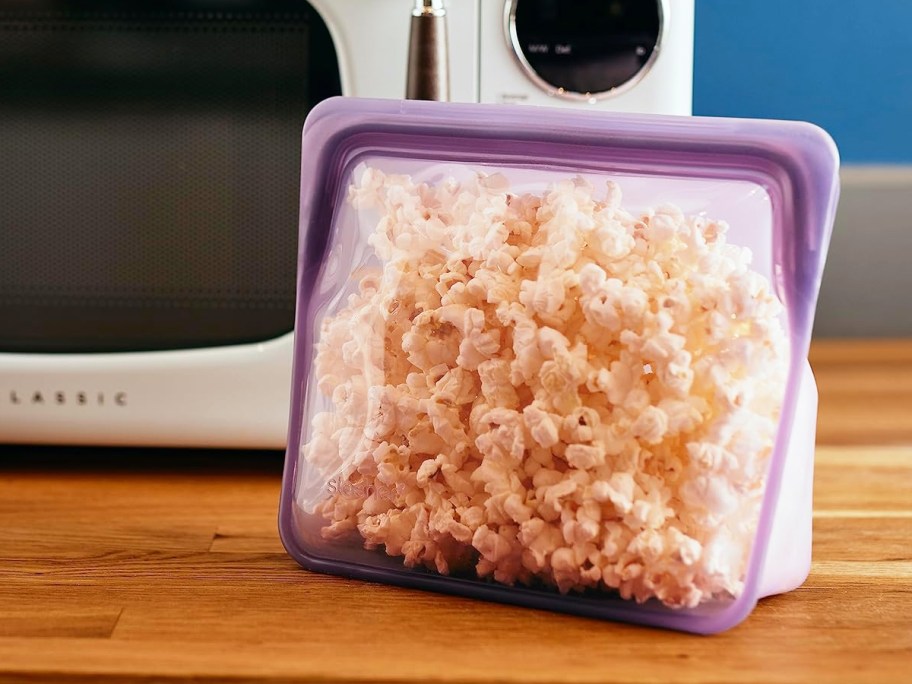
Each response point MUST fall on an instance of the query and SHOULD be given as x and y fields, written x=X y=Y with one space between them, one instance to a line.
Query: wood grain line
x=860 y=351
x=849 y=514
x=52 y=621
x=900 y=570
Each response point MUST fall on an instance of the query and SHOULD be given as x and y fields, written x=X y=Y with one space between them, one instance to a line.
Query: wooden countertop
x=124 y=565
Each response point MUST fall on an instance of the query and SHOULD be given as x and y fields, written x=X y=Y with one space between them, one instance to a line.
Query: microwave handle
x=428 y=75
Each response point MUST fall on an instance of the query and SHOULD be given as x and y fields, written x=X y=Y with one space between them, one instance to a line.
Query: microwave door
x=149 y=170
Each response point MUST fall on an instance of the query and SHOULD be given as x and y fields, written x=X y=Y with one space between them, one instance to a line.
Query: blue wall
x=845 y=65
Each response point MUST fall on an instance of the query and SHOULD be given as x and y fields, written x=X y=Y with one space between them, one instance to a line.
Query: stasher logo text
x=39 y=397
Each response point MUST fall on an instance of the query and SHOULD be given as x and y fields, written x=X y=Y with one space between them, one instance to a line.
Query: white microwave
x=149 y=175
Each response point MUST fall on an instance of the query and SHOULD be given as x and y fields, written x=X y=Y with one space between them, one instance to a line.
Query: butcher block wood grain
x=124 y=565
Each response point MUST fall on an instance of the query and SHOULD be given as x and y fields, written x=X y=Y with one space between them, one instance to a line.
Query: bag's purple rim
x=796 y=163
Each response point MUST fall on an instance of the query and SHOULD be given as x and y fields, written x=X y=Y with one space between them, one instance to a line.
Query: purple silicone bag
x=774 y=183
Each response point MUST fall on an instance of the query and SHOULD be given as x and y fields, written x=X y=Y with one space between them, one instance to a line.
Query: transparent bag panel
x=564 y=381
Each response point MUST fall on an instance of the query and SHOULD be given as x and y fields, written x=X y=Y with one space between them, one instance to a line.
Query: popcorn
x=585 y=457
x=548 y=390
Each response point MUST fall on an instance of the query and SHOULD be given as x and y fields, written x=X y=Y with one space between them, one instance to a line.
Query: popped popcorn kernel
x=549 y=390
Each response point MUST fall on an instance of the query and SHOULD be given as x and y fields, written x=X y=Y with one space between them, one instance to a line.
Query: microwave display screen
x=587 y=46
x=149 y=170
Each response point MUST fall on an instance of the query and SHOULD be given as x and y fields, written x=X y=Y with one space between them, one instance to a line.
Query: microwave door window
x=149 y=170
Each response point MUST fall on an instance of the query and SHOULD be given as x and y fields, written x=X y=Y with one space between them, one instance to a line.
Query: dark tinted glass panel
x=587 y=46
x=149 y=170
